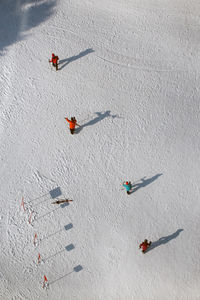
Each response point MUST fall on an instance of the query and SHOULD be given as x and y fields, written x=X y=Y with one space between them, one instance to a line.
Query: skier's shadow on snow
x=164 y=240
x=75 y=269
x=65 y=62
x=100 y=116
x=143 y=182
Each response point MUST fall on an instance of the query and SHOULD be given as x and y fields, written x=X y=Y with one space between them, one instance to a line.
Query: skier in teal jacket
x=127 y=186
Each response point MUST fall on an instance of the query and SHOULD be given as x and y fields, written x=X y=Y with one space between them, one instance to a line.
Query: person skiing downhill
x=145 y=245
x=72 y=124
x=127 y=186
x=54 y=61
x=62 y=201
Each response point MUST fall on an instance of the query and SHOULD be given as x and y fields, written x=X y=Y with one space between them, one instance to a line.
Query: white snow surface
x=129 y=73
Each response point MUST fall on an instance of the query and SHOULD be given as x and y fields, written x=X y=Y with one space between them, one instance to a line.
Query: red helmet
x=127 y=182
x=53 y=54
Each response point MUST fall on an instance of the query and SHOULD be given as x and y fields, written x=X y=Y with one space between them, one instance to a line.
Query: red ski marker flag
x=45 y=282
x=22 y=203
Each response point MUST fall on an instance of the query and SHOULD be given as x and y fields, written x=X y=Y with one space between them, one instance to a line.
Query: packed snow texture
x=129 y=73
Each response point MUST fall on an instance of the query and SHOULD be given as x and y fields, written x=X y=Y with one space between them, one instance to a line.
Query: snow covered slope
x=129 y=73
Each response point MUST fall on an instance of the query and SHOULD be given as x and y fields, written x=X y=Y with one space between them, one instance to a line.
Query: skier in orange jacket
x=54 y=61
x=72 y=124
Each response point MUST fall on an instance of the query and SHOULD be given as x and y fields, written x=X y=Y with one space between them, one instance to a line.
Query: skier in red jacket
x=72 y=124
x=145 y=245
x=54 y=61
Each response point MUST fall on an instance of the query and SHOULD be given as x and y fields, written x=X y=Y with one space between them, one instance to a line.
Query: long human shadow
x=66 y=227
x=45 y=196
x=143 y=182
x=67 y=248
x=68 y=60
x=100 y=116
x=52 y=211
x=54 y=255
x=164 y=240
x=55 y=193
x=16 y=18
x=75 y=269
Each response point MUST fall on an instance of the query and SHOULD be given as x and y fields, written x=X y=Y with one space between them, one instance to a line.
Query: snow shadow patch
x=68 y=226
x=164 y=240
x=144 y=182
x=55 y=193
x=66 y=61
x=69 y=247
x=17 y=17
x=39 y=12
